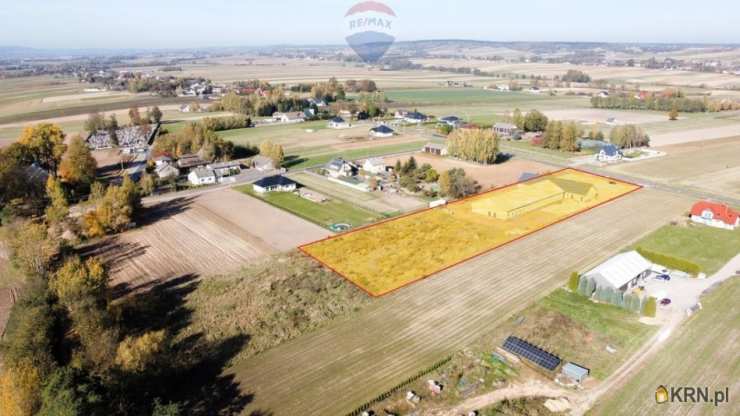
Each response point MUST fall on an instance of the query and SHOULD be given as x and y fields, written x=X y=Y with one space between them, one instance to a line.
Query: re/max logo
x=698 y=395
x=370 y=21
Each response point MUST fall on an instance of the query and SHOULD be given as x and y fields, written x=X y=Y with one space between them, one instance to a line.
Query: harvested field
x=597 y=115
x=711 y=165
x=398 y=335
x=395 y=253
x=212 y=233
x=695 y=135
x=488 y=177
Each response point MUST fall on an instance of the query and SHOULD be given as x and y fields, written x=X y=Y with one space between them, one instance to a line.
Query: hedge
x=650 y=307
x=670 y=261
x=573 y=281
x=399 y=386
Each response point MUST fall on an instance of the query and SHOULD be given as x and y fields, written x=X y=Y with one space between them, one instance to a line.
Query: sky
x=159 y=24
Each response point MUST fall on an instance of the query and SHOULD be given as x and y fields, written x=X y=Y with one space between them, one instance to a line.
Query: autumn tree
x=569 y=137
x=155 y=114
x=32 y=249
x=45 y=145
x=518 y=119
x=137 y=354
x=477 y=145
x=552 y=135
x=58 y=205
x=273 y=151
x=134 y=116
x=113 y=211
x=95 y=121
x=77 y=279
x=454 y=183
x=628 y=136
x=673 y=114
x=535 y=121
x=78 y=165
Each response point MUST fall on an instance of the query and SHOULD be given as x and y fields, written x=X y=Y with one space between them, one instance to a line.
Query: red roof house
x=715 y=215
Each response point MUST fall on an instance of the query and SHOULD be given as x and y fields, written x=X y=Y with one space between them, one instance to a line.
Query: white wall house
x=277 y=183
x=374 y=165
x=201 y=176
x=715 y=215
x=609 y=153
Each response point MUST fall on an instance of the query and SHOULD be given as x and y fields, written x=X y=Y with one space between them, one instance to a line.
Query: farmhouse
x=289 y=118
x=452 y=121
x=337 y=123
x=374 y=165
x=435 y=149
x=609 y=153
x=415 y=117
x=339 y=167
x=505 y=129
x=225 y=168
x=277 y=183
x=621 y=272
x=527 y=197
x=262 y=163
x=381 y=131
x=201 y=176
x=715 y=215
x=162 y=160
x=167 y=171
x=190 y=161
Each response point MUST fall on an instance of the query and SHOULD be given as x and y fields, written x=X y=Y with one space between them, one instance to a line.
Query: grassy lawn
x=525 y=147
x=710 y=248
x=702 y=352
x=325 y=214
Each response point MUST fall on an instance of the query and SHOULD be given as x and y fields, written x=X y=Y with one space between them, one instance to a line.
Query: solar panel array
x=531 y=352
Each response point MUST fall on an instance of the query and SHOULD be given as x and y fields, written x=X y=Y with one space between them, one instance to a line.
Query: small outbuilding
x=337 y=123
x=381 y=131
x=435 y=149
x=575 y=372
x=609 y=153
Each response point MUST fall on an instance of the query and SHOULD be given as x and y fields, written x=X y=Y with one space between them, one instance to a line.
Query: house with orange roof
x=715 y=214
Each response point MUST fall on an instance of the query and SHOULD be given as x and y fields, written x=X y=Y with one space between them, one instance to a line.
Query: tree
x=629 y=136
x=136 y=354
x=95 y=121
x=453 y=183
x=535 y=121
x=114 y=210
x=134 y=116
x=273 y=151
x=67 y=392
x=45 y=145
x=673 y=115
x=650 y=307
x=552 y=135
x=147 y=184
x=78 y=279
x=573 y=281
x=569 y=137
x=431 y=175
x=20 y=387
x=518 y=119
x=78 y=166
x=58 y=207
x=155 y=115
x=33 y=251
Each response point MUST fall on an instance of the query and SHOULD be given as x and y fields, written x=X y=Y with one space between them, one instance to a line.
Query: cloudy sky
x=189 y=23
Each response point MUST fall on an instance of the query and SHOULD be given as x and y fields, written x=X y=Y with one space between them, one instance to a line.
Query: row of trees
x=476 y=145
x=195 y=137
x=533 y=121
x=651 y=102
x=574 y=75
x=99 y=122
x=561 y=136
x=629 y=136
x=410 y=175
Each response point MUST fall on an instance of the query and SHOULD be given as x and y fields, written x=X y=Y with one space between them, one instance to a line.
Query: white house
x=201 y=176
x=338 y=123
x=452 y=121
x=289 y=118
x=415 y=117
x=505 y=129
x=621 y=272
x=374 y=165
x=435 y=149
x=381 y=131
x=339 y=167
x=277 y=183
x=609 y=153
x=225 y=168
x=715 y=215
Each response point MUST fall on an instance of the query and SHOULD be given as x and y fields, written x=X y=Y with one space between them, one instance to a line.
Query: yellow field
x=386 y=256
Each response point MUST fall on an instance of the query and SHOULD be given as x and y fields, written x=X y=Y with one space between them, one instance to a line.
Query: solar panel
x=531 y=352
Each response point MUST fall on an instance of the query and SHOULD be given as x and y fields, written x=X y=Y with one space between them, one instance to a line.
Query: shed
x=621 y=272
x=575 y=372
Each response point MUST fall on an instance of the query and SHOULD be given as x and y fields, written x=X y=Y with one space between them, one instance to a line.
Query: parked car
x=665 y=302
x=663 y=276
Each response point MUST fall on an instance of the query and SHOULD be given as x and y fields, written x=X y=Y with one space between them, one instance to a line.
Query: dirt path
x=531 y=388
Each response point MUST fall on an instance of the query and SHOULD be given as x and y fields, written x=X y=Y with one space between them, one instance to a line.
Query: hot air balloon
x=370 y=29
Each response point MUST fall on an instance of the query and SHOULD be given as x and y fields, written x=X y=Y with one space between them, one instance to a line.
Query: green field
x=325 y=214
x=442 y=96
x=320 y=156
x=702 y=352
x=710 y=248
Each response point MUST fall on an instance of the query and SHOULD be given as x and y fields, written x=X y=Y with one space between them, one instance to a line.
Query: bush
x=573 y=281
x=670 y=262
x=650 y=307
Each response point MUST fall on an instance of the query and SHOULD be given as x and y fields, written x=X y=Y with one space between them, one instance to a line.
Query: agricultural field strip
x=369 y=267
x=414 y=327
